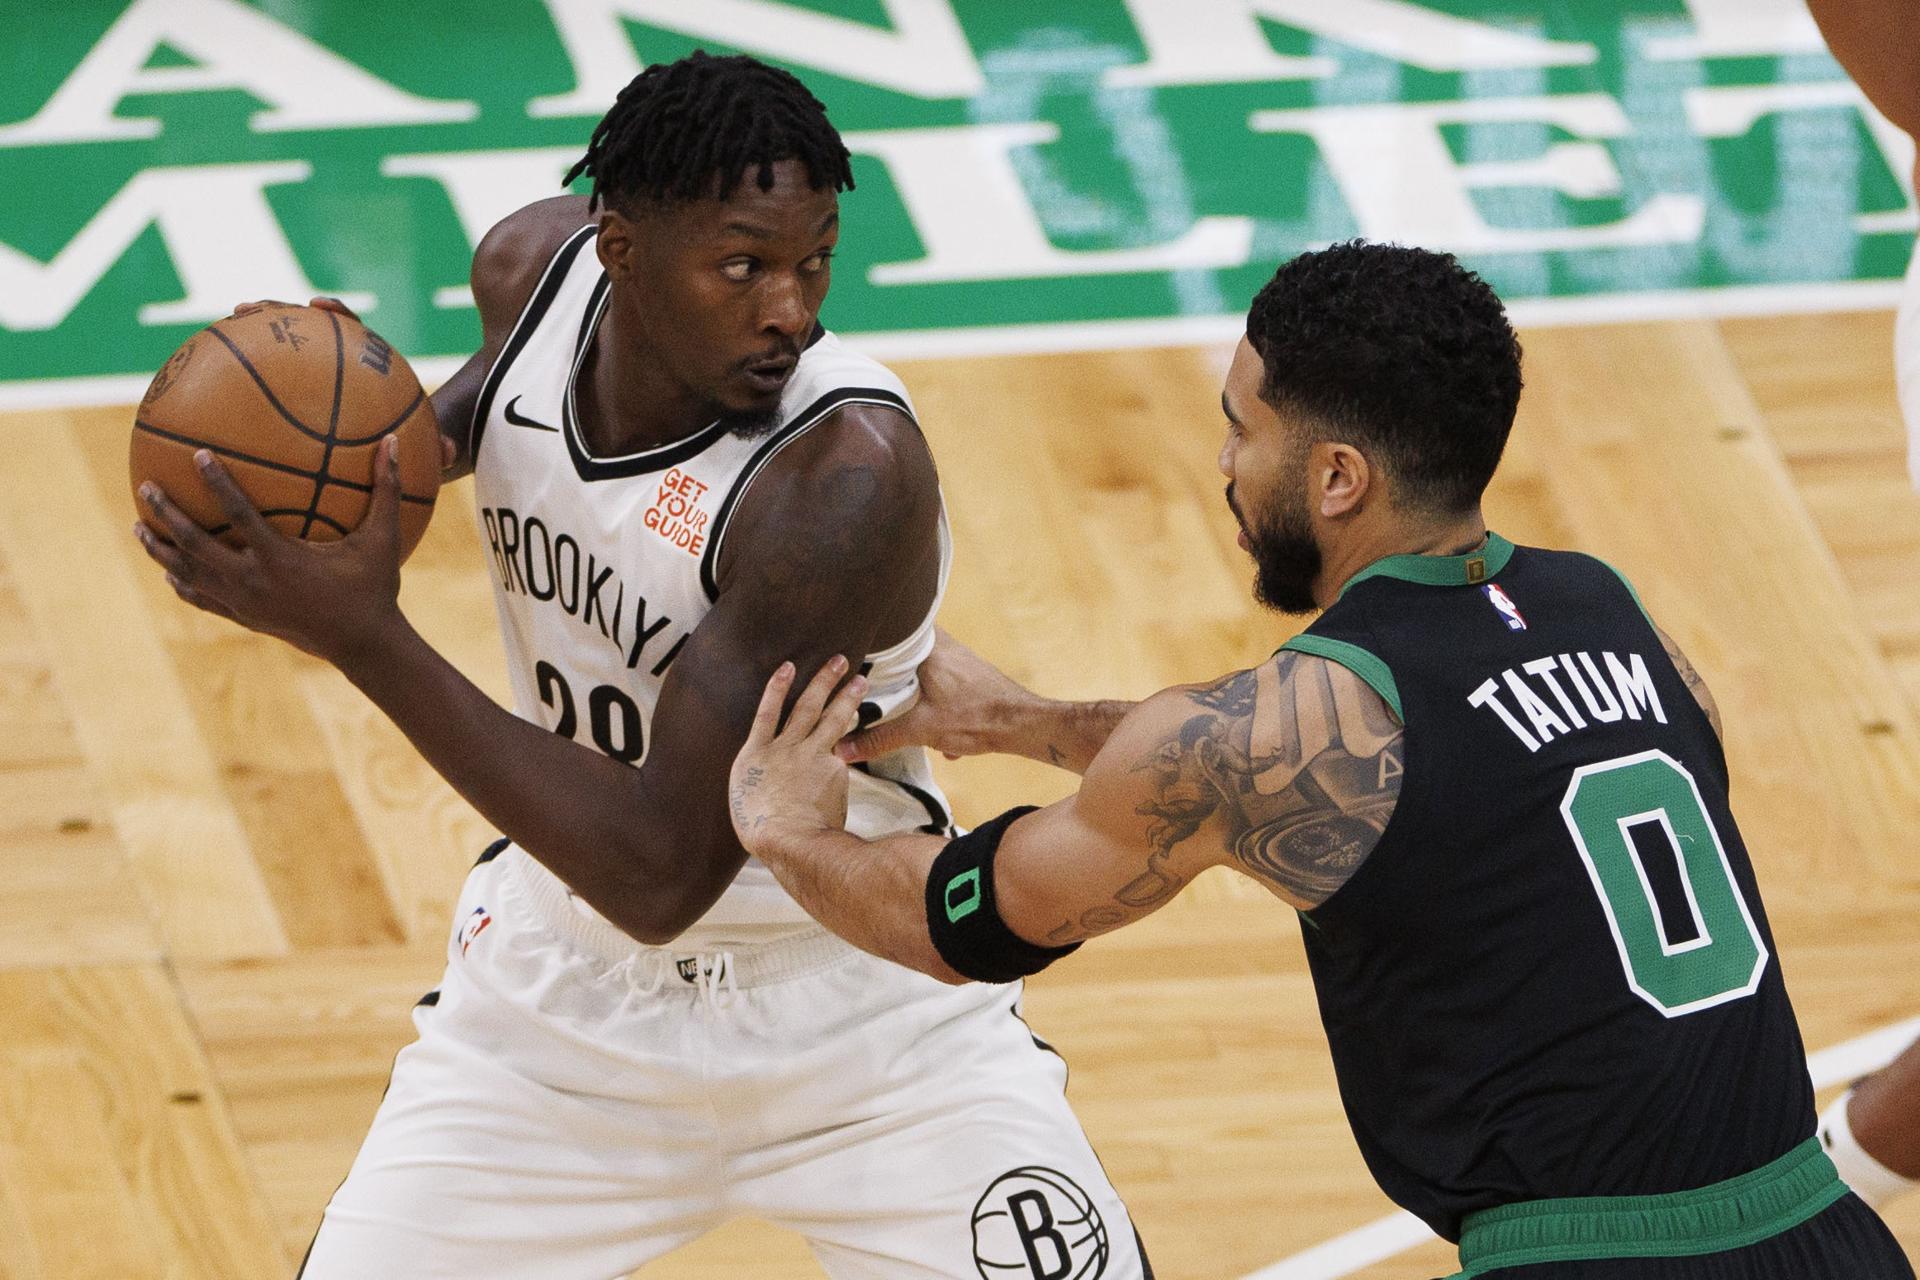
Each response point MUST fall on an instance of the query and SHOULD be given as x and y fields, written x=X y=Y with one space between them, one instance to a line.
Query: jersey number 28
x=612 y=717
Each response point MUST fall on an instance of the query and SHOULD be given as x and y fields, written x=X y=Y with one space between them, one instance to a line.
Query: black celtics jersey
x=1553 y=977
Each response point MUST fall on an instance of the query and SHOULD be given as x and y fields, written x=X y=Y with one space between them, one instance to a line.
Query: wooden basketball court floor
x=224 y=880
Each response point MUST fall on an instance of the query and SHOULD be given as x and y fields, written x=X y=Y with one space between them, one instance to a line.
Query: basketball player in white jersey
x=682 y=482
x=1873 y=1130
x=1878 y=43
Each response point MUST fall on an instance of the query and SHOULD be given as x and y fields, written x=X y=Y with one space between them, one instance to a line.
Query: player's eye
x=818 y=262
x=739 y=269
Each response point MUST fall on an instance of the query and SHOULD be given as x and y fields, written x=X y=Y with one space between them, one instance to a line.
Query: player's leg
x=927 y=1136
x=1906 y=360
x=1873 y=1131
x=537 y=1128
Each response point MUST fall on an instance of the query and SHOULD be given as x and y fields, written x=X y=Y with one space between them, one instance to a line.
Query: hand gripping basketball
x=331 y=599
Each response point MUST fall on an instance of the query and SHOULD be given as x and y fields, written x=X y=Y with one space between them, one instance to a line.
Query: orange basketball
x=295 y=402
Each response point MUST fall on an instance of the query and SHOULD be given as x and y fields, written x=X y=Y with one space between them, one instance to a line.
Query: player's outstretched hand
x=786 y=779
x=964 y=706
x=326 y=598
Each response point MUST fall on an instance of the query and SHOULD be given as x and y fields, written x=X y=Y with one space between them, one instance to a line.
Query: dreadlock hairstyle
x=679 y=125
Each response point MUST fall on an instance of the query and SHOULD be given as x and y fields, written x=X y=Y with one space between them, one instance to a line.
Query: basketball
x=294 y=401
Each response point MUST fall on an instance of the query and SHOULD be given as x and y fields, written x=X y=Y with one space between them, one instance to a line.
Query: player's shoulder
x=1294 y=746
x=1557 y=564
x=1278 y=686
x=515 y=253
x=1278 y=714
x=844 y=410
x=847 y=466
x=831 y=373
x=836 y=503
x=867 y=455
x=1587 y=576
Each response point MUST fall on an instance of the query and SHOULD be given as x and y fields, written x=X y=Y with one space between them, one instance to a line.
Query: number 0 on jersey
x=1675 y=970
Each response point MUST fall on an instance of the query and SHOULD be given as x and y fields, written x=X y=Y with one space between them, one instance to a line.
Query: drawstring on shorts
x=712 y=974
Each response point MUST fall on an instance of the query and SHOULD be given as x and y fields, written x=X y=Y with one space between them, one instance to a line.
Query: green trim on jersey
x=1631 y=589
x=1355 y=659
x=1711 y=1219
x=1469 y=570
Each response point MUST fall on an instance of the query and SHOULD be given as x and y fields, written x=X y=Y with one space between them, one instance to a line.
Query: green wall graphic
x=1018 y=163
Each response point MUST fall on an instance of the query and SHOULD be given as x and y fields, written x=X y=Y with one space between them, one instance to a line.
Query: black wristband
x=965 y=921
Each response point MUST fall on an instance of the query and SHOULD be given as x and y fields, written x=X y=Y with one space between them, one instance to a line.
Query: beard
x=751 y=424
x=1286 y=559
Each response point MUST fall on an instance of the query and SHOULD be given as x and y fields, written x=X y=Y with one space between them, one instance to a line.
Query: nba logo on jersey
x=1507 y=608
x=471 y=929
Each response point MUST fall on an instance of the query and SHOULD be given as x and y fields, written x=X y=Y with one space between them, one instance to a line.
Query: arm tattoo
x=1232 y=696
x=1695 y=685
x=1297 y=766
x=736 y=802
x=1079 y=730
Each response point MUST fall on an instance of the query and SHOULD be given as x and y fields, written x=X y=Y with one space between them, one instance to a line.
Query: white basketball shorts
x=578 y=1104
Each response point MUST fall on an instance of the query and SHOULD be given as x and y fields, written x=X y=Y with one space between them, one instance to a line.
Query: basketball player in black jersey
x=579 y=1103
x=1493 y=789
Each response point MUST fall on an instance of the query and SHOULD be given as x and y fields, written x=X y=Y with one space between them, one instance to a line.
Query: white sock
x=1870 y=1180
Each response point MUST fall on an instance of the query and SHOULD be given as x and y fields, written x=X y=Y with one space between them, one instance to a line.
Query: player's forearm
x=870 y=892
x=1064 y=734
x=589 y=819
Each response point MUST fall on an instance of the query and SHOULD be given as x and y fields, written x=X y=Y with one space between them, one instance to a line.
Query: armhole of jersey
x=939 y=821
x=1638 y=602
x=530 y=315
x=808 y=418
x=1367 y=666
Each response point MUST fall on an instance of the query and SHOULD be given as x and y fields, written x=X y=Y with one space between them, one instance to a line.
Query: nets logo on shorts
x=1036 y=1223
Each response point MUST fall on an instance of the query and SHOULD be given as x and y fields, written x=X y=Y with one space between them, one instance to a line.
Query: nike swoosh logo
x=519 y=421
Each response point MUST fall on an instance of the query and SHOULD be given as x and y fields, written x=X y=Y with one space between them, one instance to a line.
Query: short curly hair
x=684 y=130
x=1400 y=351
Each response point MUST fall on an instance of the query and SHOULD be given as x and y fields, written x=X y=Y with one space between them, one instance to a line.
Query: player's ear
x=1342 y=478
x=616 y=243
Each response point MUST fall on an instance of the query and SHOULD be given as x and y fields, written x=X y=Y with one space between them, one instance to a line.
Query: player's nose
x=785 y=310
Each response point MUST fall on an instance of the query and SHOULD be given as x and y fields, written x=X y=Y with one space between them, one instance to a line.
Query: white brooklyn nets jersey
x=603 y=566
